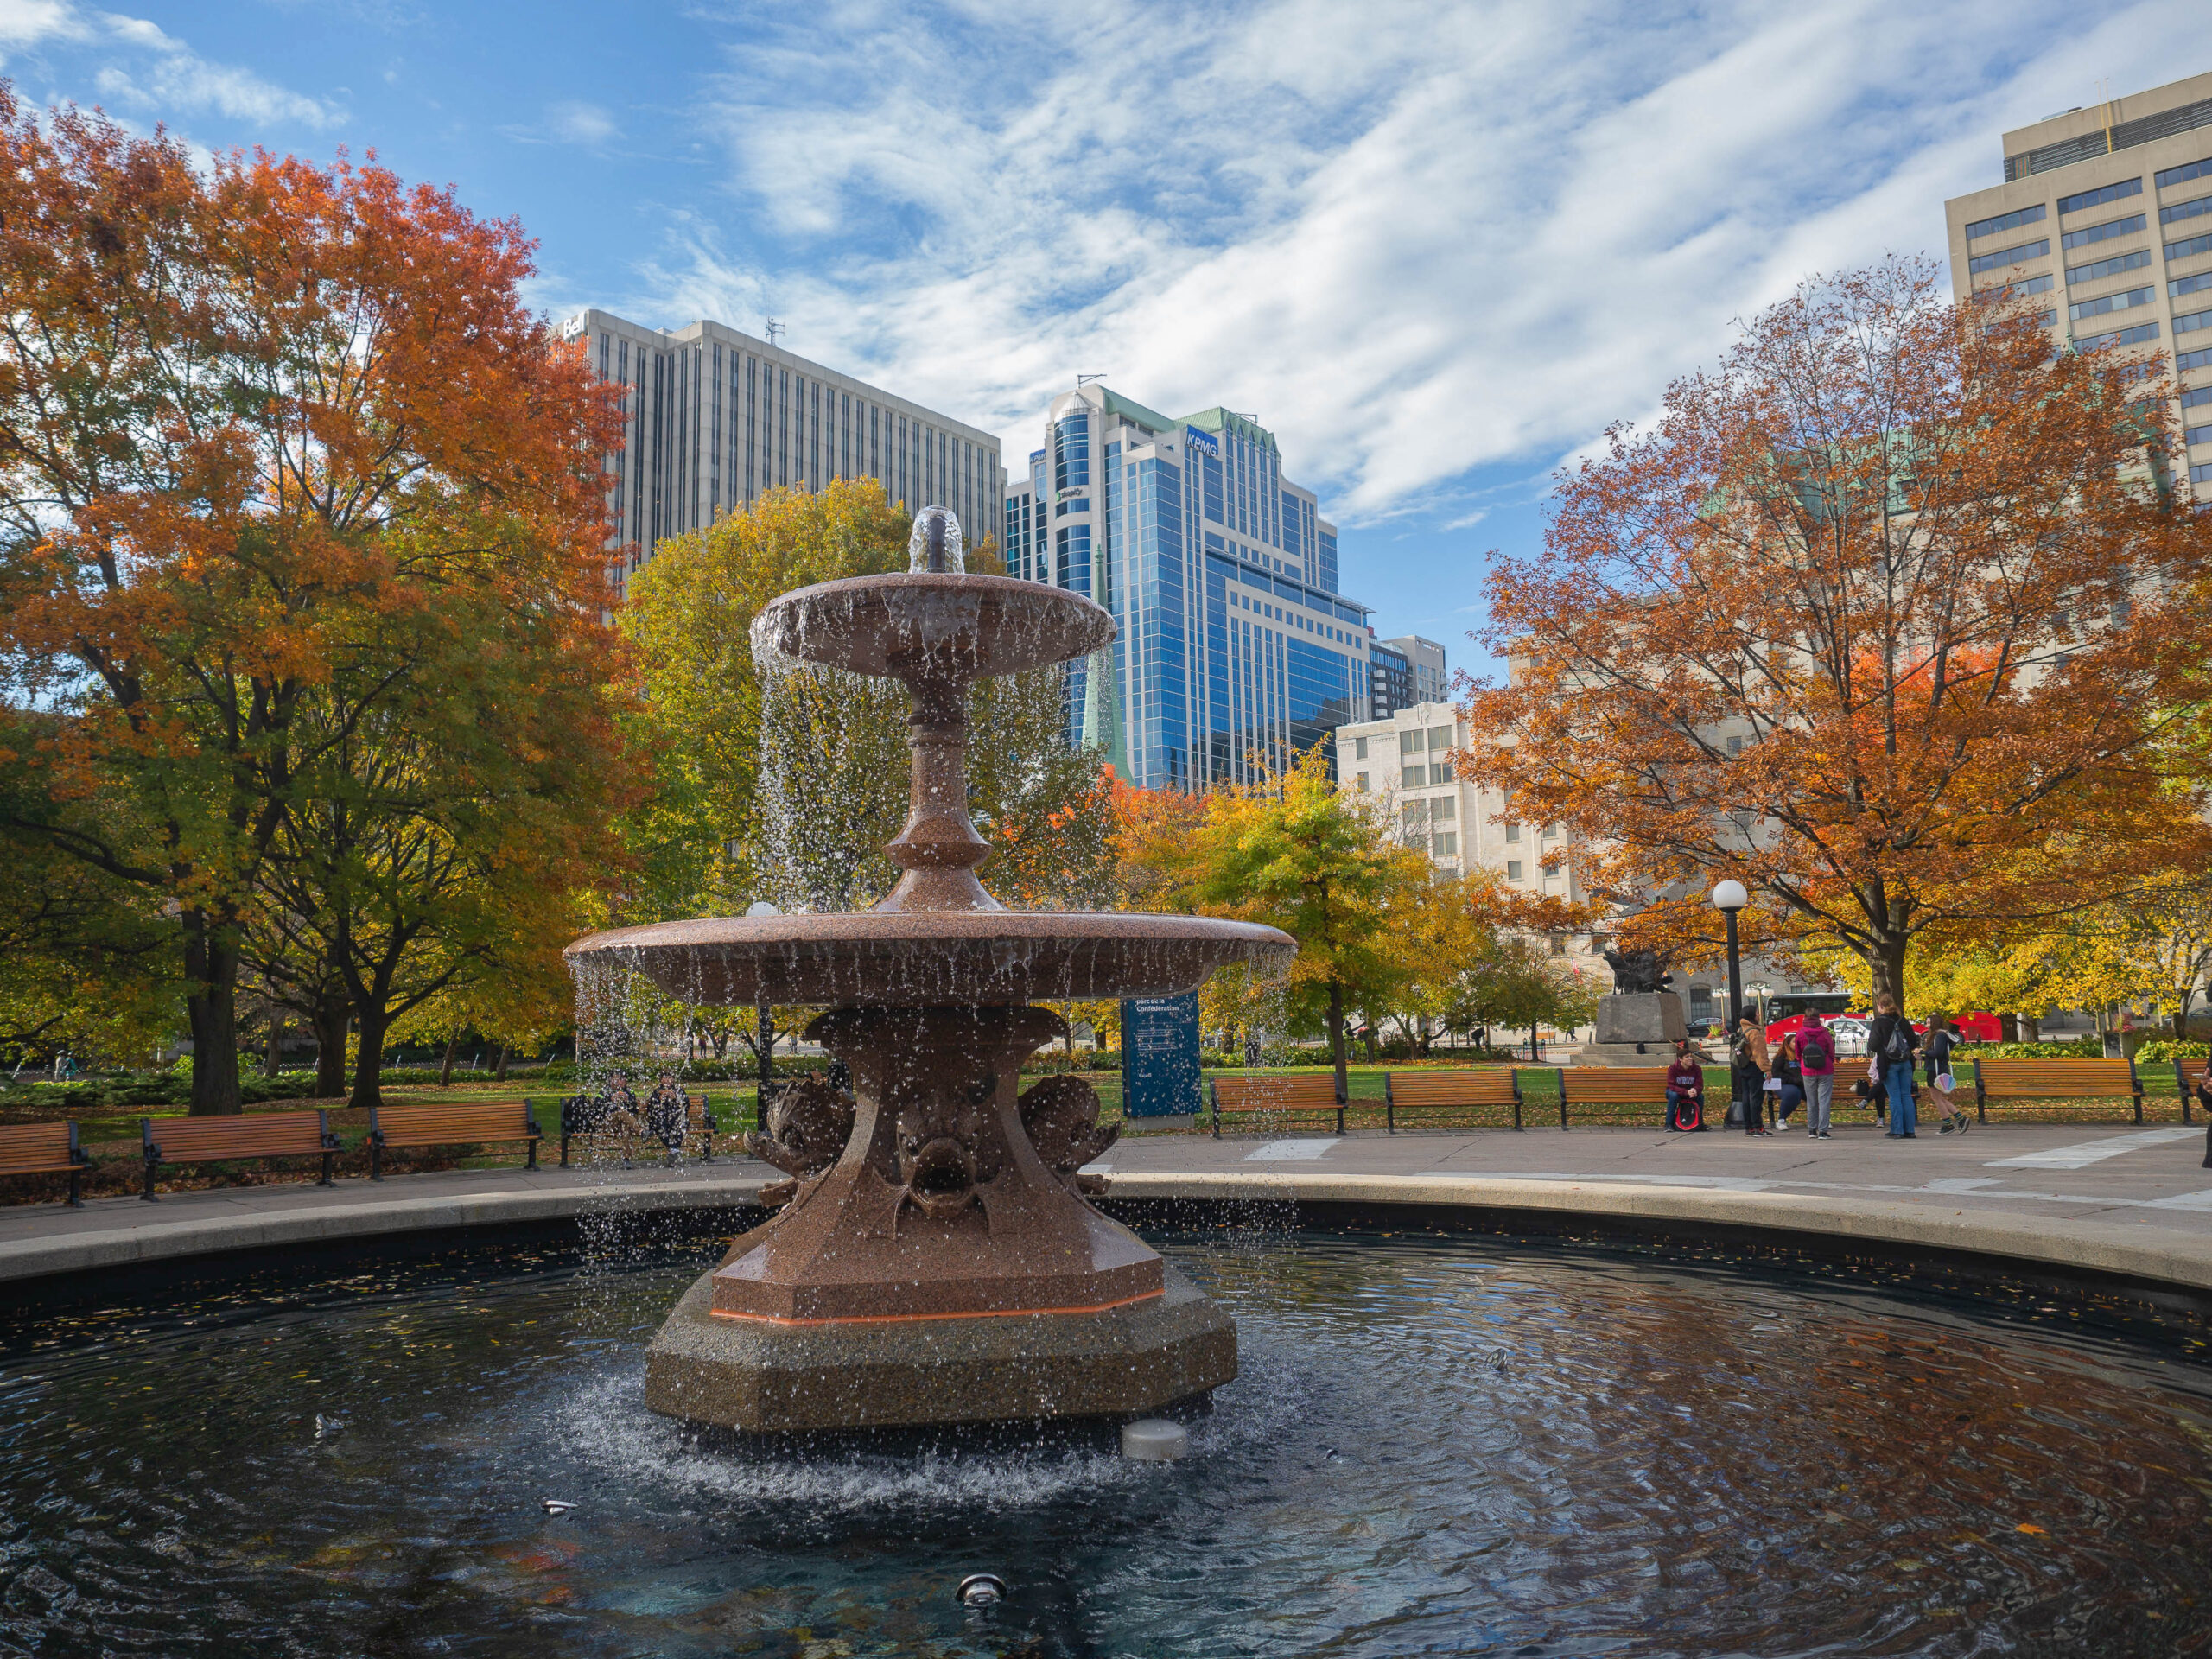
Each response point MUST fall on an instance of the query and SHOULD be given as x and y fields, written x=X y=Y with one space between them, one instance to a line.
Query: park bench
x=1280 y=1094
x=227 y=1138
x=579 y=1121
x=45 y=1149
x=2045 y=1082
x=478 y=1122
x=2187 y=1075
x=1613 y=1085
x=1417 y=1091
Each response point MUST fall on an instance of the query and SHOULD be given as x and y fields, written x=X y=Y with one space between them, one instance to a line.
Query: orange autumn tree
x=1891 y=617
x=256 y=422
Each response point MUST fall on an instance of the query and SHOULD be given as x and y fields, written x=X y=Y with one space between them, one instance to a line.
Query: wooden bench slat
x=1459 y=1086
x=1263 y=1096
x=45 y=1149
x=2049 y=1080
x=470 y=1122
x=220 y=1140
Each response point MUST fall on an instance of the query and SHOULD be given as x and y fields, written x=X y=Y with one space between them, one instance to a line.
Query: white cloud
x=1415 y=239
x=581 y=123
x=148 y=68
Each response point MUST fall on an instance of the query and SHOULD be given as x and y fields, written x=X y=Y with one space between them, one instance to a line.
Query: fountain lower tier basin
x=784 y=1377
x=890 y=958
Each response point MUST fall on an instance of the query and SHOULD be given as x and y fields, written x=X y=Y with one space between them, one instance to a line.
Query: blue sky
x=1436 y=247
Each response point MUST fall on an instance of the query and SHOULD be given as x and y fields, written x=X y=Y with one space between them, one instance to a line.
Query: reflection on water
x=1438 y=1446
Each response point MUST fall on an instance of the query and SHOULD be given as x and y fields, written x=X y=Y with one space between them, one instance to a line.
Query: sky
x=1436 y=248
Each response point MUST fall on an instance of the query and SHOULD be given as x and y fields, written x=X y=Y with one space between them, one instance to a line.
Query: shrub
x=2166 y=1049
x=2088 y=1047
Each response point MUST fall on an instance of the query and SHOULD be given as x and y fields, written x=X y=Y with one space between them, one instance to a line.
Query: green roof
x=1130 y=409
x=1218 y=419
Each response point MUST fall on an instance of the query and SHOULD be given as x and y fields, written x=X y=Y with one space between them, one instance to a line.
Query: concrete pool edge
x=2125 y=1254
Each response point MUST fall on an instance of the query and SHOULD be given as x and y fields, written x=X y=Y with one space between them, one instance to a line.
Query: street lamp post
x=1728 y=898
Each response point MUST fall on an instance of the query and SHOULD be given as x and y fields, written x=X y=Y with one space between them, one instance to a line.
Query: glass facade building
x=1235 y=651
x=712 y=418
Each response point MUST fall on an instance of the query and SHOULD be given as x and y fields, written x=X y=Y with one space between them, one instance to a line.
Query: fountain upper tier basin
x=934 y=958
x=933 y=625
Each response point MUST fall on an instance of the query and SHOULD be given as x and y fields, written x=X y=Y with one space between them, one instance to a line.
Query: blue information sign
x=1160 y=1055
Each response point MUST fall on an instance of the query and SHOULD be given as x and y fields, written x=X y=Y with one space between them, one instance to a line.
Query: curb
x=159 y=1240
x=2147 y=1255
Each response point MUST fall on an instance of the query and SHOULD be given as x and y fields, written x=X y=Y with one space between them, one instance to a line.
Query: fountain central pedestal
x=935 y=1258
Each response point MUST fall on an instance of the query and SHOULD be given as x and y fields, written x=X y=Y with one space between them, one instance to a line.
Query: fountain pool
x=1435 y=1445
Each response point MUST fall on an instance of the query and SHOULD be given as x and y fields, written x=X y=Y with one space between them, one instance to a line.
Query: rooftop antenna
x=1083 y=380
x=775 y=331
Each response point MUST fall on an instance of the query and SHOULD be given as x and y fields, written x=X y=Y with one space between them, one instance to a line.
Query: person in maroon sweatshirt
x=1685 y=1089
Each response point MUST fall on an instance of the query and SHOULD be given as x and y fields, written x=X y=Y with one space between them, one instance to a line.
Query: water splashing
x=934 y=547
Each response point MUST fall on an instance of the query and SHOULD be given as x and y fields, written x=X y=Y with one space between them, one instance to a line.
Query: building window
x=1446 y=844
x=2137 y=334
x=2201 y=358
x=2119 y=264
x=1700 y=1005
x=1735 y=746
x=2026 y=286
x=1513 y=865
x=1440 y=737
x=2189 y=249
x=1443 y=807
x=2012 y=222
x=2103 y=233
x=1363 y=783
x=1551 y=832
x=2195 y=284
x=2197 y=434
x=2098 y=197
x=1512 y=830
x=1359 y=749
x=2202 y=473
x=2020 y=255
x=1558 y=943
x=2181 y=210
x=2108 y=302
x=2196 y=396
x=2184 y=172
x=1413 y=778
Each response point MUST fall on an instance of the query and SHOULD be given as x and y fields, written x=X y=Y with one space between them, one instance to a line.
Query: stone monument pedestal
x=1634 y=1028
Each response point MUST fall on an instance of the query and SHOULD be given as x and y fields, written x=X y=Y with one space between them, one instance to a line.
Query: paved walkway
x=2111 y=1197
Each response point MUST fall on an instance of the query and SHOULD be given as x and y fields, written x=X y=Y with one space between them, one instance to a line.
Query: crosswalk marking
x=2082 y=1153
x=1279 y=1151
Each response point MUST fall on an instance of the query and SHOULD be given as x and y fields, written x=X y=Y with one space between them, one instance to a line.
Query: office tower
x=1389 y=679
x=2108 y=210
x=1432 y=679
x=713 y=418
x=1234 y=645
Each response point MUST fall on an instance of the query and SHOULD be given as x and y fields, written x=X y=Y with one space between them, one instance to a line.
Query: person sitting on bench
x=1685 y=1089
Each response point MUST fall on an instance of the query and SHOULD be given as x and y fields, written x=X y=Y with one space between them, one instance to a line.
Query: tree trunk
x=1336 y=1040
x=2030 y=1028
x=445 y=1067
x=2181 y=1016
x=211 y=968
x=2008 y=1027
x=499 y=1071
x=332 y=1017
x=272 y=1059
x=1887 y=965
x=765 y=1032
x=368 y=1063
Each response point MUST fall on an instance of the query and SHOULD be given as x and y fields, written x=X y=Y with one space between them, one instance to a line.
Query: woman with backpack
x=1891 y=1044
x=1816 y=1064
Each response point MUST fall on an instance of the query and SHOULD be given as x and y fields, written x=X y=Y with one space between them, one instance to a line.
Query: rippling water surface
x=1438 y=1446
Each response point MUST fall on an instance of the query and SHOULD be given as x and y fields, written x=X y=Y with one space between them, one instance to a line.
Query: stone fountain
x=934 y=1257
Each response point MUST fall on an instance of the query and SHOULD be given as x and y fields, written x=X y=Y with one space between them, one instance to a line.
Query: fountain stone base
x=783 y=1378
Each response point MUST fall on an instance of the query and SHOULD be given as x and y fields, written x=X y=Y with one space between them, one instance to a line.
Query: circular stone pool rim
x=2153 y=1264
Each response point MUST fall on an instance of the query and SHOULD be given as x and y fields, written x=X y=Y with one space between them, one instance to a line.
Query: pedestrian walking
x=1747 y=1074
x=1685 y=1089
x=1942 y=1039
x=1816 y=1066
x=1891 y=1044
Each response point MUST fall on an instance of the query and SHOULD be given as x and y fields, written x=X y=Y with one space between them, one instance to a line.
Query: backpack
x=1897 y=1048
x=1815 y=1054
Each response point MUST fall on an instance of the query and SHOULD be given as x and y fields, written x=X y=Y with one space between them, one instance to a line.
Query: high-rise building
x=1234 y=644
x=1390 y=680
x=2108 y=209
x=1432 y=678
x=713 y=418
